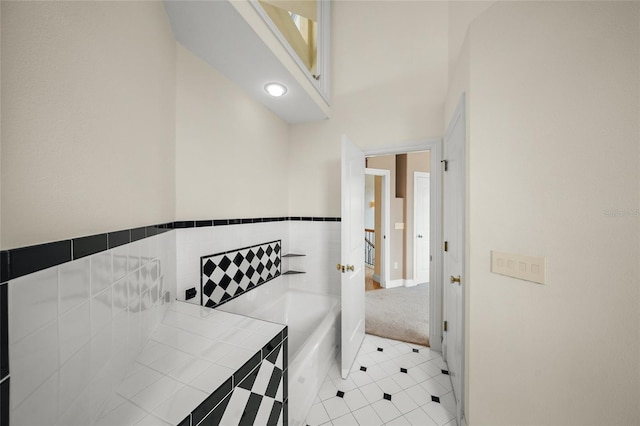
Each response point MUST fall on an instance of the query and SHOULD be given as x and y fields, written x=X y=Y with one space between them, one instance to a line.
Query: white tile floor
x=391 y=383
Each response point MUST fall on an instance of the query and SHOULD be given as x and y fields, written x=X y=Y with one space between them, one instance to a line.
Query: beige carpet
x=400 y=313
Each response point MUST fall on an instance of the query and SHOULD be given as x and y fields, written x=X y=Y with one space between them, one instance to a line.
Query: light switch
x=518 y=266
x=399 y=225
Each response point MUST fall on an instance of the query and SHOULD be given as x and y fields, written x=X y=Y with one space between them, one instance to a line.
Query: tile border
x=20 y=261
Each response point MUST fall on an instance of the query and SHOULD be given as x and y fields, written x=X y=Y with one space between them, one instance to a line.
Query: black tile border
x=4 y=401
x=20 y=261
x=4 y=331
x=215 y=404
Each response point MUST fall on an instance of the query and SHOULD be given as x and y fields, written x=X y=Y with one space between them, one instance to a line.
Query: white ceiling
x=216 y=32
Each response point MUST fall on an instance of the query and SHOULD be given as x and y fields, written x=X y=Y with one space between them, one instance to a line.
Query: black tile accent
x=362 y=368
x=318 y=219
x=4 y=331
x=151 y=230
x=184 y=224
x=295 y=218
x=138 y=234
x=235 y=221
x=403 y=370
x=87 y=246
x=285 y=384
x=4 y=402
x=285 y=411
x=387 y=397
x=247 y=367
x=435 y=399
x=380 y=349
x=186 y=421
x=275 y=414
x=4 y=266
x=285 y=332
x=306 y=219
x=251 y=410
x=247 y=382
x=274 y=382
x=340 y=394
x=220 y=222
x=273 y=343
x=416 y=350
x=285 y=353
x=243 y=221
x=445 y=372
x=27 y=260
x=212 y=400
x=119 y=238
x=201 y=223
x=215 y=417
x=273 y=356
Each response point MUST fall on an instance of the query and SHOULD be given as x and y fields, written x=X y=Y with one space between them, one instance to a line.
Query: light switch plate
x=399 y=225
x=527 y=268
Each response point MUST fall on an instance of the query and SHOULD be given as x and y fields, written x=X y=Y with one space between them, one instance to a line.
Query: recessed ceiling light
x=275 y=89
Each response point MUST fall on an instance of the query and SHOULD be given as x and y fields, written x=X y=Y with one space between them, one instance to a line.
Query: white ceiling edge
x=220 y=35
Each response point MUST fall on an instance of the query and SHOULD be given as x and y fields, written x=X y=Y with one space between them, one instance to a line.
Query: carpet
x=400 y=313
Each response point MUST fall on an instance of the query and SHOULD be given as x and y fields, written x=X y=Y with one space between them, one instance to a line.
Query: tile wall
x=74 y=328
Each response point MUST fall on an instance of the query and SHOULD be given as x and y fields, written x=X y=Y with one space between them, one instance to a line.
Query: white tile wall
x=76 y=328
x=320 y=241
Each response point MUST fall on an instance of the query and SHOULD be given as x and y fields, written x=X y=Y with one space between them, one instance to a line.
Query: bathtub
x=313 y=339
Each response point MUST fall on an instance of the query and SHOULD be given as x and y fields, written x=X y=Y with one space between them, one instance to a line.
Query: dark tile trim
x=21 y=261
x=86 y=246
x=27 y=260
x=119 y=238
x=138 y=233
x=248 y=366
x=212 y=400
x=4 y=402
x=4 y=331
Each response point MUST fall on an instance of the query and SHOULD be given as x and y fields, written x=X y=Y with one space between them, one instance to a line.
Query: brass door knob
x=453 y=279
x=350 y=268
x=339 y=267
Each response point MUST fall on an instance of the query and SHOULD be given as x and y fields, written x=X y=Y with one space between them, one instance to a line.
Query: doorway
x=397 y=301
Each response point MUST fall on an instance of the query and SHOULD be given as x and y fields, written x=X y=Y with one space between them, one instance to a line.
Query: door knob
x=350 y=268
x=339 y=267
x=453 y=279
x=344 y=268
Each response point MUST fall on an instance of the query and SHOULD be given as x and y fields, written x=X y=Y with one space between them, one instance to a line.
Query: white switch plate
x=399 y=225
x=518 y=266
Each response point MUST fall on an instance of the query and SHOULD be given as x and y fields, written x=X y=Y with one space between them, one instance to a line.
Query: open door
x=454 y=255
x=352 y=266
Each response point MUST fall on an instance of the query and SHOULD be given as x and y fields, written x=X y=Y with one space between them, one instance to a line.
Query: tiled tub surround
x=230 y=274
x=318 y=239
x=204 y=367
x=313 y=328
x=75 y=328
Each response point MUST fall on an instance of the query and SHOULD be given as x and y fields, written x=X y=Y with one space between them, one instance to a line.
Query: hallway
x=391 y=383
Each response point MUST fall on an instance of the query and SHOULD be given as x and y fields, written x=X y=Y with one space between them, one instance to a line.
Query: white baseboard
x=376 y=278
x=410 y=283
x=394 y=283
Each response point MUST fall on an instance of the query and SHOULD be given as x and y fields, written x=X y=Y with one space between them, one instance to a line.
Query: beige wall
x=396 y=211
x=389 y=64
x=416 y=162
x=553 y=109
x=88 y=118
x=231 y=152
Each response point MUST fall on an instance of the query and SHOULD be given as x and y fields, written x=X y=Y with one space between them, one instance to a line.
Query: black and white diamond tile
x=229 y=274
x=258 y=399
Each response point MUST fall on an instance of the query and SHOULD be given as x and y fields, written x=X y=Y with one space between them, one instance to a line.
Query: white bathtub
x=313 y=328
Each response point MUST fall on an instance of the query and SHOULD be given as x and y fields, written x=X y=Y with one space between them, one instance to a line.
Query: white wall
x=389 y=82
x=88 y=118
x=552 y=150
x=231 y=152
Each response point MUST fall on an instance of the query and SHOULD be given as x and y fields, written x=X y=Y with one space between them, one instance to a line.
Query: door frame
x=415 y=216
x=435 y=271
x=386 y=216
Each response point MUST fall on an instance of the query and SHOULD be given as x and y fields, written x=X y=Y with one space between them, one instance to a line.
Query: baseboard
x=394 y=283
x=410 y=283
x=376 y=278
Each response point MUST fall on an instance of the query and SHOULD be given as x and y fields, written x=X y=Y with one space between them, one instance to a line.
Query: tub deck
x=191 y=368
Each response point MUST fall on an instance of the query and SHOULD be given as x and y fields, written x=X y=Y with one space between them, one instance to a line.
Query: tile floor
x=391 y=383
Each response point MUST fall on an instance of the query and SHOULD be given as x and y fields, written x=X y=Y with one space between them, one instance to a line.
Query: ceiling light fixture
x=275 y=89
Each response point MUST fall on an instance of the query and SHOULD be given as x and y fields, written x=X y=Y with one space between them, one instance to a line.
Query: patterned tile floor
x=391 y=383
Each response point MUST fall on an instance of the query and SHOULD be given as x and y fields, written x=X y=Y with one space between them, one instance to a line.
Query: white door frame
x=415 y=216
x=435 y=243
x=386 y=215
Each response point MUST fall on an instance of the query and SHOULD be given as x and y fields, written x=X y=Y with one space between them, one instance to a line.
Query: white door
x=352 y=265
x=421 y=213
x=453 y=227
